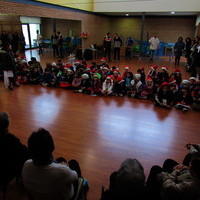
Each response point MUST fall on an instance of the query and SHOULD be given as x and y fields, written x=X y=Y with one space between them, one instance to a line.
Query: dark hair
x=73 y=165
x=180 y=38
x=4 y=122
x=6 y=45
x=188 y=40
x=131 y=75
x=41 y=146
x=33 y=58
x=58 y=32
x=195 y=165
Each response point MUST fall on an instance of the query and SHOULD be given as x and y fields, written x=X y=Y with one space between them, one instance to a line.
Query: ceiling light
x=172 y=12
x=127 y=15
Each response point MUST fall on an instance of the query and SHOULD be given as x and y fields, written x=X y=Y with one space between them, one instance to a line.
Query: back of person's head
x=4 y=122
x=33 y=59
x=41 y=146
x=195 y=165
x=130 y=177
x=73 y=165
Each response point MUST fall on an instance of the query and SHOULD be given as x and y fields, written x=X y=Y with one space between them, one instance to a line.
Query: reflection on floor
x=100 y=132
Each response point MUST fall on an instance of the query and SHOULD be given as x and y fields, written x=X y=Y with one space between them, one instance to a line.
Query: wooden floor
x=100 y=132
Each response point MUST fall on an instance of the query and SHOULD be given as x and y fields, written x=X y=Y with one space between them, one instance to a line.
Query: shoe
x=185 y=110
x=10 y=87
x=93 y=95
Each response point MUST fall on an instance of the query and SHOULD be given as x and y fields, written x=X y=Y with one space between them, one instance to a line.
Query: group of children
x=164 y=89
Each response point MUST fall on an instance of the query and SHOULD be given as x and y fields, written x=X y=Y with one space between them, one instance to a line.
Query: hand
x=180 y=167
x=188 y=146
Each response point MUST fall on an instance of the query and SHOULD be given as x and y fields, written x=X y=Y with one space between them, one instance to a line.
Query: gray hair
x=4 y=121
x=130 y=177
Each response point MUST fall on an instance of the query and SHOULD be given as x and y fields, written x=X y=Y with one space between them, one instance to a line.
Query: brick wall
x=97 y=26
x=168 y=28
x=10 y=23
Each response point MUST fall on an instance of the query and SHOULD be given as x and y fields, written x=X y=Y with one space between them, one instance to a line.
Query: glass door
x=25 y=30
x=29 y=31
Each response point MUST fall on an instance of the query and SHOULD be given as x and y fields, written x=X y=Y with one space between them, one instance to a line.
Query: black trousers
x=107 y=53
x=117 y=53
x=55 y=50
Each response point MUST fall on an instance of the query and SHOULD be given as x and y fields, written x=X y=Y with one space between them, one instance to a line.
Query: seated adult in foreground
x=41 y=175
x=13 y=153
x=182 y=183
x=127 y=183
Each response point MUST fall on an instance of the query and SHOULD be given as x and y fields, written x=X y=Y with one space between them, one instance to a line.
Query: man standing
x=39 y=40
x=154 y=44
x=107 y=45
x=117 y=45
x=54 y=40
x=60 y=44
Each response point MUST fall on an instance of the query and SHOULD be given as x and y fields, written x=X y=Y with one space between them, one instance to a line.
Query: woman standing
x=8 y=65
x=178 y=50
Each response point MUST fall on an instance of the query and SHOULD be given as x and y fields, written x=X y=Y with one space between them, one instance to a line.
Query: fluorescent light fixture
x=127 y=14
x=172 y=12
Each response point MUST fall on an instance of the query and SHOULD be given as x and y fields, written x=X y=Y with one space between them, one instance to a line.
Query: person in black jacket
x=107 y=45
x=13 y=153
x=8 y=66
x=165 y=96
x=117 y=45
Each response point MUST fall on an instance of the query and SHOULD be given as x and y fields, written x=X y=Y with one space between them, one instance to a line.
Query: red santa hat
x=88 y=66
x=121 y=81
x=172 y=80
x=103 y=59
x=105 y=68
x=154 y=67
x=126 y=67
x=77 y=61
x=115 y=71
x=176 y=70
x=67 y=66
x=165 y=68
x=149 y=79
x=164 y=84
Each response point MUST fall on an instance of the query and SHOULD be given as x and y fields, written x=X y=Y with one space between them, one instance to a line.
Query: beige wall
x=62 y=25
x=170 y=28
x=167 y=28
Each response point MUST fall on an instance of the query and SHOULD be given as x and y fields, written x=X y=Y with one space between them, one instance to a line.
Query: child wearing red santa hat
x=96 y=85
x=107 y=87
x=165 y=96
x=136 y=87
x=147 y=91
x=184 y=100
x=153 y=72
x=127 y=69
x=163 y=75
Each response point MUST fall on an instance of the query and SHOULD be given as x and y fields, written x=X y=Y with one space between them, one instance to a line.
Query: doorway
x=29 y=31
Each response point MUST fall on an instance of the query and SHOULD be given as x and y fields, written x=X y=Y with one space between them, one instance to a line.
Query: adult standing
x=54 y=40
x=107 y=46
x=8 y=65
x=154 y=44
x=117 y=45
x=188 y=46
x=15 y=42
x=178 y=50
x=60 y=45
x=40 y=42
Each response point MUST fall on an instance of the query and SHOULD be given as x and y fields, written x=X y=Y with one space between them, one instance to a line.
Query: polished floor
x=100 y=132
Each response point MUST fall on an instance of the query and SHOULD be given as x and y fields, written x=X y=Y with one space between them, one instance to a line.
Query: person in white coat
x=154 y=45
x=107 y=87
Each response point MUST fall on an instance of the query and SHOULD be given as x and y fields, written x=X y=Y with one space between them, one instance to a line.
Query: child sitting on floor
x=96 y=85
x=165 y=97
x=107 y=87
x=184 y=100
x=147 y=91
x=136 y=87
